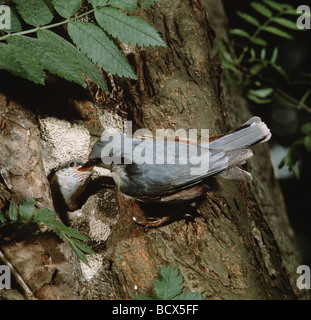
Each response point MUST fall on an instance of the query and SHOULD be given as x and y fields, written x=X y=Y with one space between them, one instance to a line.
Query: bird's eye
x=72 y=164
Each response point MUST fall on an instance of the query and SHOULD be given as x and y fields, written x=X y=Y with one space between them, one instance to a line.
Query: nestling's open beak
x=85 y=169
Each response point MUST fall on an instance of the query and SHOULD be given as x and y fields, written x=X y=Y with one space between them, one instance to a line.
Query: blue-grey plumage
x=138 y=174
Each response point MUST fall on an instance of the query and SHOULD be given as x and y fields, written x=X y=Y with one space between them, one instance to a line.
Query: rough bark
x=45 y=263
x=241 y=246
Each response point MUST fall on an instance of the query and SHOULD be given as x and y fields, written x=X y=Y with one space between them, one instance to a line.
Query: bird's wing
x=143 y=180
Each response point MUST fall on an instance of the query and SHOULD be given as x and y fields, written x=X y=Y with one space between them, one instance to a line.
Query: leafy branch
x=93 y=46
x=169 y=287
x=25 y=214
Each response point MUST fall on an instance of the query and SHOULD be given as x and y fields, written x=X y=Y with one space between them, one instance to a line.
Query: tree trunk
x=241 y=246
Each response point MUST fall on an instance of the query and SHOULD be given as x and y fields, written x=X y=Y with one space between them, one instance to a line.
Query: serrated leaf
x=45 y=216
x=79 y=254
x=51 y=56
x=26 y=208
x=277 y=6
x=94 y=42
x=14 y=59
x=240 y=33
x=189 y=296
x=82 y=62
x=97 y=3
x=126 y=5
x=128 y=29
x=261 y=9
x=34 y=12
x=13 y=211
x=248 y=18
x=278 y=32
x=259 y=41
x=73 y=233
x=285 y=23
x=169 y=284
x=148 y=3
x=67 y=8
x=82 y=246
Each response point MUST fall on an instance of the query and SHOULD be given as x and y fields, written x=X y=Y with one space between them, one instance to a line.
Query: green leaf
x=128 y=29
x=307 y=142
x=262 y=93
x=280 y=70
x=97 y=3
x=82 y=63
x=169 y=284
x=277 y=6
x=189 y=296
x=263 y=54
x=255 y=69
x=261 y=9
x=126 y=5
x=278 y=32
x=93 y=41
x=13 y=211
x=79 y=253
x=306 y=128
x=248 y=18
x=51 y=56
x=285 y=23
x=240 y=33
x=26 y=208
x=259 y=41
x=67 y=8
x=15 y=60
x=256 y=99
x=82 y=246
x=275 y=54
x=45 y=216
x=148 y=3
x=73 y=233
x=34 y=12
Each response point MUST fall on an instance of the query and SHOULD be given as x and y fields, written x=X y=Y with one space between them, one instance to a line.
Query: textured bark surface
x=45 y=263
x=241 y=246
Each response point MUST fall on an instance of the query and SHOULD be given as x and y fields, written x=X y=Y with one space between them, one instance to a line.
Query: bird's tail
x=252 y=132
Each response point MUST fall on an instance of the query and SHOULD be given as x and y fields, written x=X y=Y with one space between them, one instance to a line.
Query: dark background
x=285 y=122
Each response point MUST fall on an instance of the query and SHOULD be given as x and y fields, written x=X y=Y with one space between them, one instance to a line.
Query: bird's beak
x=89 y=165
x=85 y=169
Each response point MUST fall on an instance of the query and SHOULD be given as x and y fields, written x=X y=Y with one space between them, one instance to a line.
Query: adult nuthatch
x=68 y=182
x=176 y=182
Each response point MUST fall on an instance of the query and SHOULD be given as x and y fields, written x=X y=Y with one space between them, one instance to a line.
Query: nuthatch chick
x=166 y=182
x=68 y=182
